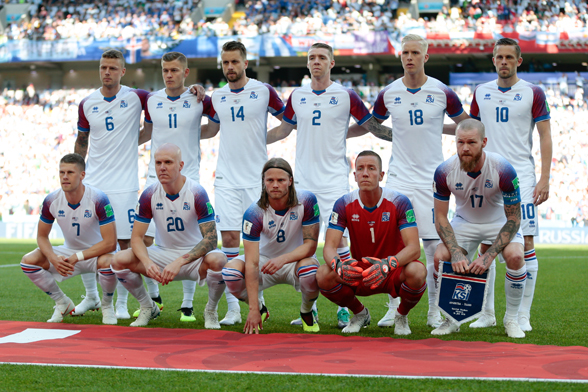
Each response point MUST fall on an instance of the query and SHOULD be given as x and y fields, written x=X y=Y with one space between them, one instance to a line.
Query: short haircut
x=172 y=56
x=114 y=54
x=320 y=45
x=231 y=46
x=507 y=42
x=76 y=159
x=417 y=38
x=471 y=124
x=277 y=163
x=369 y=153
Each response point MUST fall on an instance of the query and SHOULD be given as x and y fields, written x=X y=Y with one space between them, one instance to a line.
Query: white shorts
x=470 y=235
x=422 y=201
x=286 y=274
x=231 y=204
x=529 y=212
x=326 y=202
x=81 y=267
x=162 y=257
x=123 y=205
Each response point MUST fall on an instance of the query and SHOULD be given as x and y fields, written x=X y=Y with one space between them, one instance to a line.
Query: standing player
x=239 y=111
x=510 y=108
x=321 y=112
x=486 y=190
x=280 y=234
x=86 y=219
x=183 y=217
x=384 y=240
x=109 y=119
x=417 y=104
x=173 y=115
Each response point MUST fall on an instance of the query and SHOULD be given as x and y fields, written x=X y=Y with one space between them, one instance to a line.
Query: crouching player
x=280 y=234
x=183 y=217
x=86 y=219
x=384 y=246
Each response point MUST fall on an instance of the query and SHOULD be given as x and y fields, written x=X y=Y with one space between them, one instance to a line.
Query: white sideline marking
x=567 y=380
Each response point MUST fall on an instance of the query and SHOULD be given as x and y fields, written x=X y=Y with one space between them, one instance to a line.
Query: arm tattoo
x=208 y=243
x=379 y=130
x=310 y=232
x=448 y=237
x=509 y=230
x=81 y=146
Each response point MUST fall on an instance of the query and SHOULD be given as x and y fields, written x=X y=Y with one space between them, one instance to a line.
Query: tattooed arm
x=459 y=261
x=505 y=236
x=209 y=242
x=81 y=146
x=307 y=249
x=372 y=125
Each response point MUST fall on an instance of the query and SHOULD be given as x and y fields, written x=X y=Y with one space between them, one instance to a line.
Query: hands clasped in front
x=352 y=274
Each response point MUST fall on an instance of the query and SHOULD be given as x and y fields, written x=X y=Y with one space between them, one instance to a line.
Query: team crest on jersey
x=518 y=97
x=223 y=99
x=159 y=206
x=186 y=206
x=302 y=101
x=487 y=97
x=87 y=214
x=355 y=218
x=462 y=292
x=247 y=227
x=271 y=224
x=385 y=217
x=95 y=109
x=488 y=184
x=397 y=101
x=430 y=99
x=410 y=218
x=334 y=218
x=333 y=101
x=186 y=105
x=61 y=213
x=159 y=105
x=124 y=104
x=253 y=95
x=459 y=186
x=293 y=215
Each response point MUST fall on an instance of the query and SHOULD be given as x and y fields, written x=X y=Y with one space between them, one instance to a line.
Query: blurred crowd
x=38 y=128
x=56 y=19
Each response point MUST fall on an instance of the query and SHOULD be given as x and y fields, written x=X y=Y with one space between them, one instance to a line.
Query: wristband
x=80 y=256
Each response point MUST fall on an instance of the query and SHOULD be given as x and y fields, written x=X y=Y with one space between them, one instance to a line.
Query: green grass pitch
x=558 y=318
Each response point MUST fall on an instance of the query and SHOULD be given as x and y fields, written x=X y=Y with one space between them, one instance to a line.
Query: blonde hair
x=417 y=38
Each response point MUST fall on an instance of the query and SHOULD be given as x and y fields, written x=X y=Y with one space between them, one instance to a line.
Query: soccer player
x=488 y=208
x=239 y=111
x=321 y=112
x=385 y=243
x=417 y=104
x=280 y=234
x=173 y=115
x=109 y=119
x=86 y=219
x=185 y=239
x=510 y=108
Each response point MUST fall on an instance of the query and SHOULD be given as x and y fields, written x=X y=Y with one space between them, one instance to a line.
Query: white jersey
x=509 y=116
x=177 y=217
x=176 y=120
x=242 y=115
x=322 y=119
x=114 y=124
x=417 y=127
x=480 y=197
x=280 y=232
x=79 y=223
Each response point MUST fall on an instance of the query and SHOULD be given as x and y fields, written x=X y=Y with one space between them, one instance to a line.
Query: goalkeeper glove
x=348 y=271
x=375 y=275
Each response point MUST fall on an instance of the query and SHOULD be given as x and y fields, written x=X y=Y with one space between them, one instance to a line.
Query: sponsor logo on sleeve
x=316 y=210
x=515 y=183
x=209 y=207
x=410 y=218
x=108 y=210
x=247 y=227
